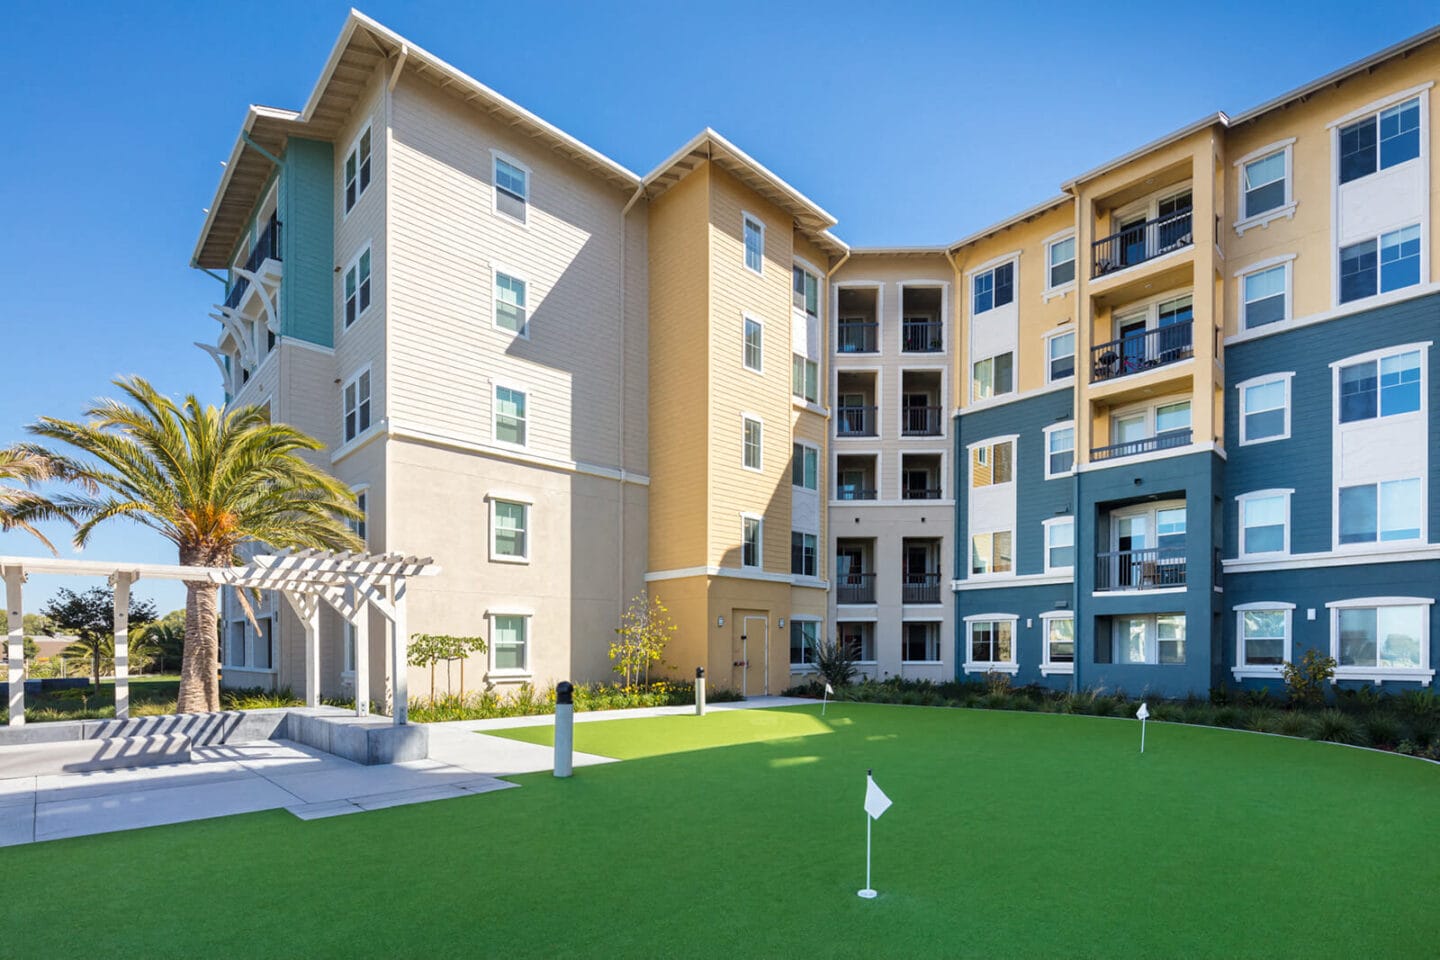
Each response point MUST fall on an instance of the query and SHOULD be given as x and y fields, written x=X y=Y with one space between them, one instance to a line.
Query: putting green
x=741 y=834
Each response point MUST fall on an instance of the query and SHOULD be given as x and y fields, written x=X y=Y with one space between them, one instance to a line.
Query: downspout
x=620 y=460
x=958 y=554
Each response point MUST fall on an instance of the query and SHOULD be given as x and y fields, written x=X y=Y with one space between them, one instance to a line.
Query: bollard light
x=564 y=728
x=699 y=691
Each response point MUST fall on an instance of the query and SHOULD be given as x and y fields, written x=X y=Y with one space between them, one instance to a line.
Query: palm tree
x=209 y=481
x=27 y=467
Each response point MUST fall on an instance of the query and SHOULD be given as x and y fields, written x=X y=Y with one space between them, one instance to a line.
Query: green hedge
x=526 y=701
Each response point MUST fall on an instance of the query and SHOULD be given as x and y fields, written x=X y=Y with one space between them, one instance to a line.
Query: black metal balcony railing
x=1161 y=441
x=921 y=422
x=921 y=336
x=920 y=493
x=1141 y=242
x=267 y=247
x=855 y=421
x=920 y=588
x=857 y=336
x=849 y=492
x=1142 y=351
x=855 y=588
x=1152 y=569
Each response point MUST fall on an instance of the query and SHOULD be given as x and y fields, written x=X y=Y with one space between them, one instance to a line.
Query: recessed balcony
x=1142 y=351
x=1157 y=568
x=1135 y=243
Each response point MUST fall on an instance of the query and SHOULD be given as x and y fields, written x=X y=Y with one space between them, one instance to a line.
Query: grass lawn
x=741 y=835
x=149 y=693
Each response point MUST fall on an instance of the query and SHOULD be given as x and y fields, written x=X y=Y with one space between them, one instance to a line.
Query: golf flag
x=825 y=700
x=829 y=690
x=876 y=803
x=1143 y=713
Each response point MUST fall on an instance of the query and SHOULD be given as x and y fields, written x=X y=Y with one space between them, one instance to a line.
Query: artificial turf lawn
x=741 y=834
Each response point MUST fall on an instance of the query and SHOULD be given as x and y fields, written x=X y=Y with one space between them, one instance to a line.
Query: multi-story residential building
x=1166 y=430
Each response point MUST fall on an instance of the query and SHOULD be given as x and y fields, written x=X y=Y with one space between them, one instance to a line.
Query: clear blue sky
x=911 y=123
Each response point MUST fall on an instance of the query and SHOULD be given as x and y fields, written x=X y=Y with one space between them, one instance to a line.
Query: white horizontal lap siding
x=446 y=240
x=309 y=397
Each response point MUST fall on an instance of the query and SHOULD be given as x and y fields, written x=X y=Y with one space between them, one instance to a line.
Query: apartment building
x=1166 y=430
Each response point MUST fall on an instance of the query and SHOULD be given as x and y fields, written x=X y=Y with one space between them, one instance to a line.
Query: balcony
x=855 y=588
x=922 y=336
x=1168 y=440
x=855 y=421
x=921 y=329
x=1140 y=242
x=267 y=247
x=920 y=588
x=1156 y=568
x=857 y=336
x=920 y=477
x=1142 y=351
x=857 y=320
x=851 y=492
x=855 y=477
x=921 y=421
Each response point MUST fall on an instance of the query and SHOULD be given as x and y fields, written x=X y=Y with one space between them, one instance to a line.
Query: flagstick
x=1142 y=735
x=869 y=892
x=825 y=700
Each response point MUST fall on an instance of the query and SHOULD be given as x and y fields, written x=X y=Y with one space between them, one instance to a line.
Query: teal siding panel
x=306 y=205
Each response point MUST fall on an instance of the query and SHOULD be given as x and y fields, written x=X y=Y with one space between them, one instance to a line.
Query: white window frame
x=992 y=573
x=994 y=393
x=496 y=271
x=806 y=366
x=361 y=527
x=1284 y=378
x=354 y=266
x=1061 y=288
x=515 y=500
x=1152 y=639
x=1065 y=331
x=746 y=219
x=990 y=443
x=1011 y=666
x=759 y=563
x=874 y=645
x=799 y=618
x=746 y=319
x=1011 y=260
x=1286 y=209
x=1241 y=669
x=496 y=156
x=244 y=643
x=807 y=448
x=1376 y=356
x=495 y=416
x=1422 y=225
x=1049 y=667
x=818 y=566
x=745 y=420
x=939 y=642
x=359 y=166
x=1422 y=92
x=1424 y=674
x=1052 y=429
x=1150 y=409
x=1051 y=525
x=511 y=673
x=368 y=403
x=1260 y=266
x=1241 y=502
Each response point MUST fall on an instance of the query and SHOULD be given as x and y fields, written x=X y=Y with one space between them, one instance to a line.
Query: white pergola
x=350 y=583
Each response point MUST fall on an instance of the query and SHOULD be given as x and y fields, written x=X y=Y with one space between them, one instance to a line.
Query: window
x=991 y=645
x=990 y=553
x=804 y=554
x=858 y=640
x=920 y=643
x=235 y=645
x=750 y=529
x=357 y=405
x=510 y=303
x=509 y=530
x=357 y=286
x=805 y=378
x=1061 y=257
x=754 y=356
x=510 y=415
x=993 y=377
x=1378 y=637
x=1380 y=141
x=1265 y=296
x=1265 y=409
x=993 y=288
x=1262 y=633
x=512 y=188
x=1060 y=351
x=509 y=643
x=1170 y=417
x=804 y=642
x=807 y=291
x=1265 y=185
x=1385 y=387
x=1398 y=264
x=1059 y=643
x=264 y=649
x=1060 y=544
x=1264 y=522
x=357 y=169
x=1145 y=640
x=754 y=244
x=754 y=433
x=1388 y=511
x=1059 y=450
x=805 y=466
x=360 y=525
x=992 y=463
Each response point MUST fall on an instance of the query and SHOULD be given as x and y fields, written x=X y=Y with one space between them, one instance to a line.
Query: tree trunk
x=95 y=662
x=200 y=657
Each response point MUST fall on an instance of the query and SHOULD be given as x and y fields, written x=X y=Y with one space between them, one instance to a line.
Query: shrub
x=1306 y=681
x=644 y=632
x=1228 y=716
x=1295 y=724
x=1262 y=720
x=834 y=663
x=1337 y=727
x=997 y=682
x=1383 y=730
x=1258 y=697
x=1419 y=704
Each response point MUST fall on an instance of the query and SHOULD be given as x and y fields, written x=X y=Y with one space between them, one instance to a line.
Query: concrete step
x=79 y=756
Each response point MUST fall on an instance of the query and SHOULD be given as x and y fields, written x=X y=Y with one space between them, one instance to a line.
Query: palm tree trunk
x=200 y=660
x=95 y=661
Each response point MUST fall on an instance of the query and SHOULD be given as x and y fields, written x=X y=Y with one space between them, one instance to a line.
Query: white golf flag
x=829 y=690
x=1143 y=713
x=876 y=802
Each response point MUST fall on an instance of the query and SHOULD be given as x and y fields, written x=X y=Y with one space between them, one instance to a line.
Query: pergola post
x=360 y=610
x=121 y=582
x=307 y=609
x=15 y=654
x=399 y=653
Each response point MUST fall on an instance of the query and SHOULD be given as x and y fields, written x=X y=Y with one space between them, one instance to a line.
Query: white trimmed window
x=992 y=288
x=510 y=417
x=1264 y=522
x=1380 y=141
x=357 y=286
x=1384 y=386
x=1265 y=184
x=1265 y=409
x=992 y=463
x=1060 y=356
x=356 y=398
x=804 y=554
x=804 y=642
x=235 y=643
x=509 y=531
x=805 y=378
x=805 y=466
x=1059 y=450
x=512 y=188
x=1262 y=639
x=1388 y=262
x=754 y=355
x=509 y=644
x=1155 y=639
x=361 y=525
x=1386 y=512
x=806 y=291
x=1378 y=638
x=753 y=456
x=357 y=169
x=990 y=643
x=1265 y=296
x=751 y=540
x=991 y=553
x=1059 y=544
x=920 y=642
x=1060 y=262
x=992 y=377
x=510 y=310
x=754 y=243
x=1059 y=644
